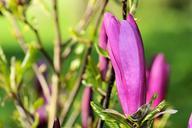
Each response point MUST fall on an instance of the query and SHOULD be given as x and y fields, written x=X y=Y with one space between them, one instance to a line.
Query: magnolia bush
x=97 y=77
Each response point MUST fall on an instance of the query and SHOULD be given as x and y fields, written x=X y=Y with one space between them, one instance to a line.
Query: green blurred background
x=166 y=26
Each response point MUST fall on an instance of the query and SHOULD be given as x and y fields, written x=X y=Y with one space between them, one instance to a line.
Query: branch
x=57 y=66
x=58 y=39
x=41 y=48
x=52 y=108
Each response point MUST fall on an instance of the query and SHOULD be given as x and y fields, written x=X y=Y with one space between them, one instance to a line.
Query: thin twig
x=52 y=108
x=18 y=34
x=57 y=66
x=124 y=9
x=89 y=12
x=58 y=39
x=106 y=100
x=41 y=48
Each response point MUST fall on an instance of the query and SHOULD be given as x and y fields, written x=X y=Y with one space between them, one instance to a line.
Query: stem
x=58 y=39
x=109 y=89
x=53 y=101
x=124 y=9
x=106 y=100
x=57 y=66
x=74 y=93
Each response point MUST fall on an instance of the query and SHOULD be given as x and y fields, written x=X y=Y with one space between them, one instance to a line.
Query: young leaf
x=112 y=124
x=110 y=116
x=101 y=51
x=151 y=115
x=29 y=58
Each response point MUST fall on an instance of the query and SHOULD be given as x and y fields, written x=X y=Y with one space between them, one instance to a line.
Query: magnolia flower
x=158 y=78
x=190 y=122
x=86 y=107
x=124 y=45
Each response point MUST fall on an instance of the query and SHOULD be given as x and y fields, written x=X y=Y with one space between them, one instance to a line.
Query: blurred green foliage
x=165 y=26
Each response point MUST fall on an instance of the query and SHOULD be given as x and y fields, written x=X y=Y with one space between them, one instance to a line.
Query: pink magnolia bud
x=42 y=116
x=190 y=122
x=86 y=110
x=125 y=48
x=158 y=79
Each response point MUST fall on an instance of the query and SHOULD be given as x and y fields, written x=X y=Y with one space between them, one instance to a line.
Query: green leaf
x=112 y=124
x=2 y=56
x=36 y=121
x=111 y=116
x=30 y=58
x=101 y=51
x=167 y=111
x=16 y=74
x=4 y=72
x=151 y=115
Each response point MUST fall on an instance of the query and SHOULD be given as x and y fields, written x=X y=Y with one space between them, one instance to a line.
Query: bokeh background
x=166 y=26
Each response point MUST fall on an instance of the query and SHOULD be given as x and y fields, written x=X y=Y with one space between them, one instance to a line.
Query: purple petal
x=132 y=68
x=158 y=79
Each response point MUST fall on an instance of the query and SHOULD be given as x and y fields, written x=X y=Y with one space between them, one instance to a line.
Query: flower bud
x=42 y=116
x=126 y=52
x=158 y=79
x=86 y=111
